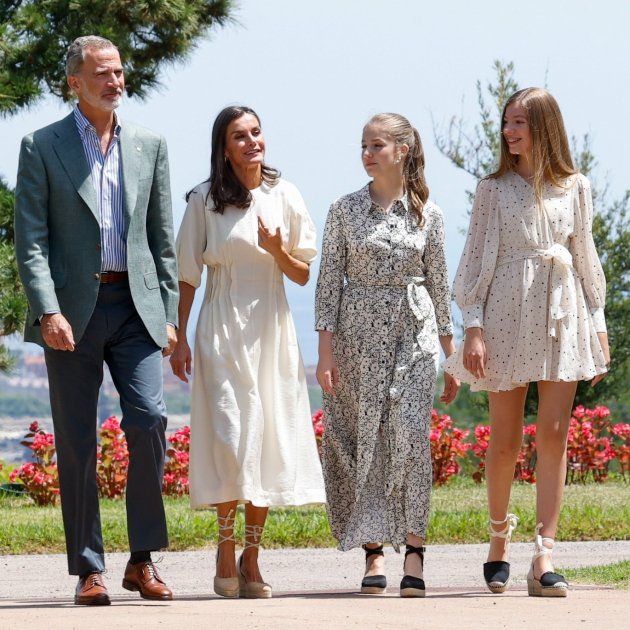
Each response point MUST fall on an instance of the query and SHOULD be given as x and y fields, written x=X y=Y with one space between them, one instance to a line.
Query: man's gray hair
x=75 y=57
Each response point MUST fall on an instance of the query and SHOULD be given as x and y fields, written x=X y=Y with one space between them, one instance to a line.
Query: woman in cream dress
x=252 y=439
x=532 y=291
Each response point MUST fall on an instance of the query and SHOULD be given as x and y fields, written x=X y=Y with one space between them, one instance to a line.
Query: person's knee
x=149 y=419
x=551 y=438
x=504 y=453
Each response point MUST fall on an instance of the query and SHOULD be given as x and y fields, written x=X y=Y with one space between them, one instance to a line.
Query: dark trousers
x=116 y=336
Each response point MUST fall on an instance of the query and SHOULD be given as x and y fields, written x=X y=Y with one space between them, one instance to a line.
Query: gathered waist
x=556 y=252
x=404 y=284
x=562 y=294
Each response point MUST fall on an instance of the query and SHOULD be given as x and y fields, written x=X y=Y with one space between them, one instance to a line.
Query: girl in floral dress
x=382 y=312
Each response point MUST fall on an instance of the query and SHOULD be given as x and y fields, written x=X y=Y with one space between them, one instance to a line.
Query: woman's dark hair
x=225 y=187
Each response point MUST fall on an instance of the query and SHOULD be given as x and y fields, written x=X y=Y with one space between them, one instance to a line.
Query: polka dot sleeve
x=585 y=259
x=478 y=261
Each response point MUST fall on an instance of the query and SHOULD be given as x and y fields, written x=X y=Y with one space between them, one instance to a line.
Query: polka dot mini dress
x=531 y=278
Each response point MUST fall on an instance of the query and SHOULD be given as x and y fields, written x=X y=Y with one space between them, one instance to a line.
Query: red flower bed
x=593 y=443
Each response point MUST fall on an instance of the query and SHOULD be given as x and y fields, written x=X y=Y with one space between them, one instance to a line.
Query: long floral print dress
x=383 y=291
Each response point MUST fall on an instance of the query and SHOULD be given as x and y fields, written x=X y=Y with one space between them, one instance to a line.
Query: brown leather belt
x=113 y=276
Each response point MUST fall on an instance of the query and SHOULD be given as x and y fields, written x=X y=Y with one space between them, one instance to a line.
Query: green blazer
x=57 y=231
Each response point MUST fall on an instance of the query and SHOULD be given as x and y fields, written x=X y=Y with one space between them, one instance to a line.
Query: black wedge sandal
x=411 y=586
x=373 y=584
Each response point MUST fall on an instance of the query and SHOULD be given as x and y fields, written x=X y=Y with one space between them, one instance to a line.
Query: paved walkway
x=318 y=589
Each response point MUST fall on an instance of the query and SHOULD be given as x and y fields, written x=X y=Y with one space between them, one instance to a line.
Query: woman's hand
x=181 y=360
x=294 y=269
x=271 y=243
x=327 y=372
x=603 y=342
x=451 y=387
x=475 y=357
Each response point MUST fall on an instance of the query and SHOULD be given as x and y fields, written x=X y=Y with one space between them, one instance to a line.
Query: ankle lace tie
x=511 y=520
x=253 y=532
x=226 y=523
x=540 y=549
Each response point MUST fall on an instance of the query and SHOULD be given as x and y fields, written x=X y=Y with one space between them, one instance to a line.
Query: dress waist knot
x=412 y=284
x=562 y=295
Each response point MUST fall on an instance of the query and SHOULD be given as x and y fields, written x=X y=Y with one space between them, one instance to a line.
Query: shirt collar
x=84 y=125
x=400 y=206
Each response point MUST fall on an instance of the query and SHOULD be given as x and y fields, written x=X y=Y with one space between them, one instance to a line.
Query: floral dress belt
x=412 y=285
x=562 y=294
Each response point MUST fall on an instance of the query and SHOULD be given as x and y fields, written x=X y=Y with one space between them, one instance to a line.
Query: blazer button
x=97 y=276
x=98 y=247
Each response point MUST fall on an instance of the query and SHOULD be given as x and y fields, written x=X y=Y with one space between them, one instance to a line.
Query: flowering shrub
x=39 y=477
x=525 y=469
x=447 y=446
x=479 y=448
x=318 y=428
x=112 y=460
x=593 y=442
x=589 y=446
x=176 y=467
x=621 y=448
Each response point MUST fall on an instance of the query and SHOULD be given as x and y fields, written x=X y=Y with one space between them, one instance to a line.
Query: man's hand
x=57 y=332
x=171 y=335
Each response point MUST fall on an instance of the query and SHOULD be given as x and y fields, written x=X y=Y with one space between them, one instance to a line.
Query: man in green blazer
x=94 y=243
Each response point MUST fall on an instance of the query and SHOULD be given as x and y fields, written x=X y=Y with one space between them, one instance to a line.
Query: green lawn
x=458 y=515
x=616 y=575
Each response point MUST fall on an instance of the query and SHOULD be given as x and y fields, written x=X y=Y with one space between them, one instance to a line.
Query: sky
x=316 y=71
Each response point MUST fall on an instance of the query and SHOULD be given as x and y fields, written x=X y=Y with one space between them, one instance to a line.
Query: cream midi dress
x=252 y=438
x=531 y=278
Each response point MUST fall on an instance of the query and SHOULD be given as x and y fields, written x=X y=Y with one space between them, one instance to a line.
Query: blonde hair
x=402 y=132
x=552 y=159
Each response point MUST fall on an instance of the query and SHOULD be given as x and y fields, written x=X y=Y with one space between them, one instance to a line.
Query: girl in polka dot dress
x=532 y=291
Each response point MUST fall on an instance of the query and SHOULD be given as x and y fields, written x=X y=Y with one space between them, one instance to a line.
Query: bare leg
x=554 y=413
x=374 y=565
x=226 y=559
x=255 y=518
x=506 y=435
x=413 y=565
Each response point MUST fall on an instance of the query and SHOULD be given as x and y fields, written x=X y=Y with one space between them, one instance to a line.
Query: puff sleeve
x=585 y=259
x=191 y=240
x=302 y=240
x=478 y=261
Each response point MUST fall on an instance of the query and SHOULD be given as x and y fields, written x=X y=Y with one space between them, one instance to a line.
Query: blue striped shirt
x=107 y=179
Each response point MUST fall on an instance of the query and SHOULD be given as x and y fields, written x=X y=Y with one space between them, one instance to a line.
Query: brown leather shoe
x=144 y=577
x=91 y=591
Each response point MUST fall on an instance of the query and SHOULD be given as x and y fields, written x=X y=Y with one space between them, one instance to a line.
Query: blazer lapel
x=69 y=150
x=131 y=153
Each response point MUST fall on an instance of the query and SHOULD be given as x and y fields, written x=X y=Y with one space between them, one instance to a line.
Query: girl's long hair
x=550 y=146
x=402 y=132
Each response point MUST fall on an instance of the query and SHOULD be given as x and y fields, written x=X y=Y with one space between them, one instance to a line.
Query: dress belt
x=107 y=277
x=562 y=295
x=412 y=285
